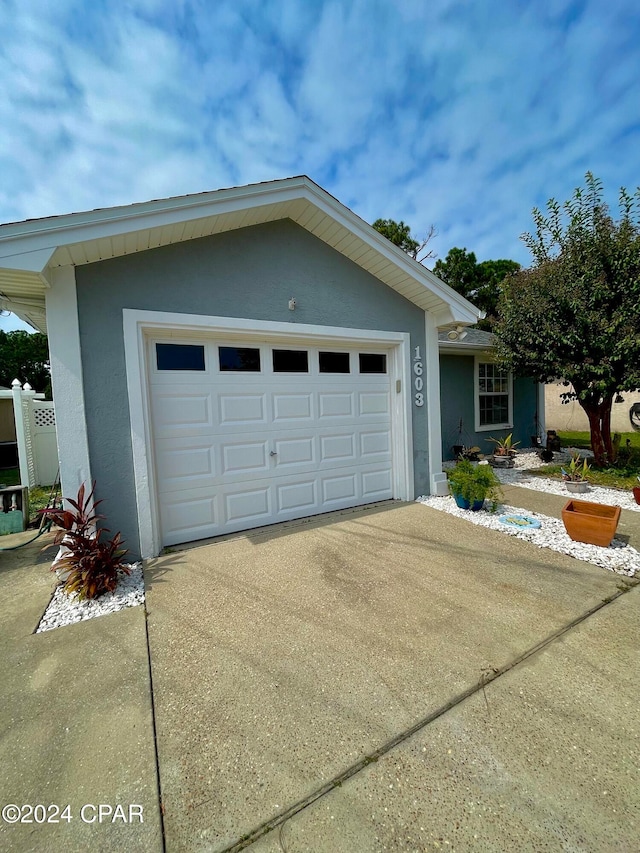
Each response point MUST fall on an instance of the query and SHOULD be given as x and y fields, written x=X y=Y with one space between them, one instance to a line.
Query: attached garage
x=233 y=359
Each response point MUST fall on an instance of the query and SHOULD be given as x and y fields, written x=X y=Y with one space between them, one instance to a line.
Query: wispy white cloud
x=460 y=114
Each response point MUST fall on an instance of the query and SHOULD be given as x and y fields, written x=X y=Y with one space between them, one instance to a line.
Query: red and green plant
x=90 y=565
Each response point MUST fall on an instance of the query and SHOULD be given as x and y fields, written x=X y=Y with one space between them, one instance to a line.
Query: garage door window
x=179 y=357
x=373 y=362
x=333 y=362
x=290 y=361
x=239 y=359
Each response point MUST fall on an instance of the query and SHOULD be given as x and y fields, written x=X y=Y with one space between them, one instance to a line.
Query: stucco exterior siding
x=250 y=273
x=457 y=402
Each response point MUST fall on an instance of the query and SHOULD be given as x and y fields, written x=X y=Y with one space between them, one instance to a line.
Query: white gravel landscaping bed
x=529 y=459
x=65 y=609
x=618 y=557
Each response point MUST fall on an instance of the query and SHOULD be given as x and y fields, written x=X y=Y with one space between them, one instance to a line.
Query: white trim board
x=66 y=381
x=139 y=324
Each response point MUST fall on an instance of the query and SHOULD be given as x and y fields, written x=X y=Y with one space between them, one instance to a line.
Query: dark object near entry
x=8 y=454
x=553 y=442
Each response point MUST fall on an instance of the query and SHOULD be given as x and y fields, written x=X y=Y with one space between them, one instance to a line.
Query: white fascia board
x=72 y=228
x=457 y=310
x=31 y=261
x=47 y=234
x=460 y=348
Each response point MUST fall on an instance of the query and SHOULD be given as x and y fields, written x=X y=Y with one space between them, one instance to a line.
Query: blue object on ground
x=463 y=503
x=522 y=522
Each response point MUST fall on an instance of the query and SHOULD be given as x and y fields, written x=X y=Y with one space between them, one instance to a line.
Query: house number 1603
x=418 y=382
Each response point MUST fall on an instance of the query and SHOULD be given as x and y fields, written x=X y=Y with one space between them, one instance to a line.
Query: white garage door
x=248 y=434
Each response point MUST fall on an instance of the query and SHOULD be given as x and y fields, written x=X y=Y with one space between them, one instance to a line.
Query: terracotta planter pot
x=594 y=524
x=636 y=494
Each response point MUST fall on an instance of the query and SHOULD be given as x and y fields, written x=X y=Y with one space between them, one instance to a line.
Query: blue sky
x=460 y=113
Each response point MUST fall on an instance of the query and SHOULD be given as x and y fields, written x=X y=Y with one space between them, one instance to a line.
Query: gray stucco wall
x=250 y=273
x=457 y=402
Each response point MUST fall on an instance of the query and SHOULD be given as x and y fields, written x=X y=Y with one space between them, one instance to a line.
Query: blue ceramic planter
x=463 y=503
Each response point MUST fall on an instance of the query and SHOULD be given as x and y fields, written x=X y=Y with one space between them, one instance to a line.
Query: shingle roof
x=473 y=338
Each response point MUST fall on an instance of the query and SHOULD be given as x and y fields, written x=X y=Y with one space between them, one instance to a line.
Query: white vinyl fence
x=36 y=436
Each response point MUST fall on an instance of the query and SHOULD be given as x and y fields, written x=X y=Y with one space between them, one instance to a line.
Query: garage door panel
x=237 y=409
x=189 y=518
x=375 y=442
x=300 y=496
x=180 y=467
x=244 y=457
x=295 y=451
x=339 y=488
x=373 y=403
x=335 y=404
x=376 y=484
x=250 y=506
x=182 y=411
x=334 y=447
x=292 y=407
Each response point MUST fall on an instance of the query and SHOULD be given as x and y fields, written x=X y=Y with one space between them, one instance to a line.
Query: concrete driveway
x=319 y=687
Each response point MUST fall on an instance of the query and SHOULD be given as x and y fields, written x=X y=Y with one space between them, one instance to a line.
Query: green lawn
x=10 y=477
x=623 y=475
x=583 y=439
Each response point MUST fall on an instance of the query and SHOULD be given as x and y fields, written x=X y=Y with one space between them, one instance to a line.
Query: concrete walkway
x=282 y=659
x=76 y=725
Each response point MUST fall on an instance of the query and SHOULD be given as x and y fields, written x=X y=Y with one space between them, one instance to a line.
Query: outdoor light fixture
x=457 y=334
x=292 y=304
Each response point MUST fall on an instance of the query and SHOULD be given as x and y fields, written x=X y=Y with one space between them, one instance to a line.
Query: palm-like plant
x=91 y=566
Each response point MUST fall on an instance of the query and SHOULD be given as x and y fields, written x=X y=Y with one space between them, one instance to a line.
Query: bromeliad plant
x=576 y=471
x=505 y=446
x=90 y=565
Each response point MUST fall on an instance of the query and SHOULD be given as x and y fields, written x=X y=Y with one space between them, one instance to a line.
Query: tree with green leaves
x=574 y=315
x=400 y=235
x=25 y=356
x=459 y=270
x=478 y=282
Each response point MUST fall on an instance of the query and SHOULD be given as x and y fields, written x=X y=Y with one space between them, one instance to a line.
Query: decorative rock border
x=618 y=557
x=65 y=609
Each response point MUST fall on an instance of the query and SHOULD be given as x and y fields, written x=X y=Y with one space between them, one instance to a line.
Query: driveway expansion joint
x=163 y=835
x=488 y=675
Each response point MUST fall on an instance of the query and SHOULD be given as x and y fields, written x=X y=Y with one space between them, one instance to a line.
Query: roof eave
x=28 y=246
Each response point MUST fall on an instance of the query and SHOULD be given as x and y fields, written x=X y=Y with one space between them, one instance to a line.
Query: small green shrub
x=475 y=483
x=91 y=565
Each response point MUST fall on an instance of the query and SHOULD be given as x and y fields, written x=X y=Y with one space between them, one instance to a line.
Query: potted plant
x=504 y=455
x=472 y=484
x=575 y=478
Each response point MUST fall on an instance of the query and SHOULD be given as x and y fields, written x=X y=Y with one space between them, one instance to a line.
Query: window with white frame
x=494 y=396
